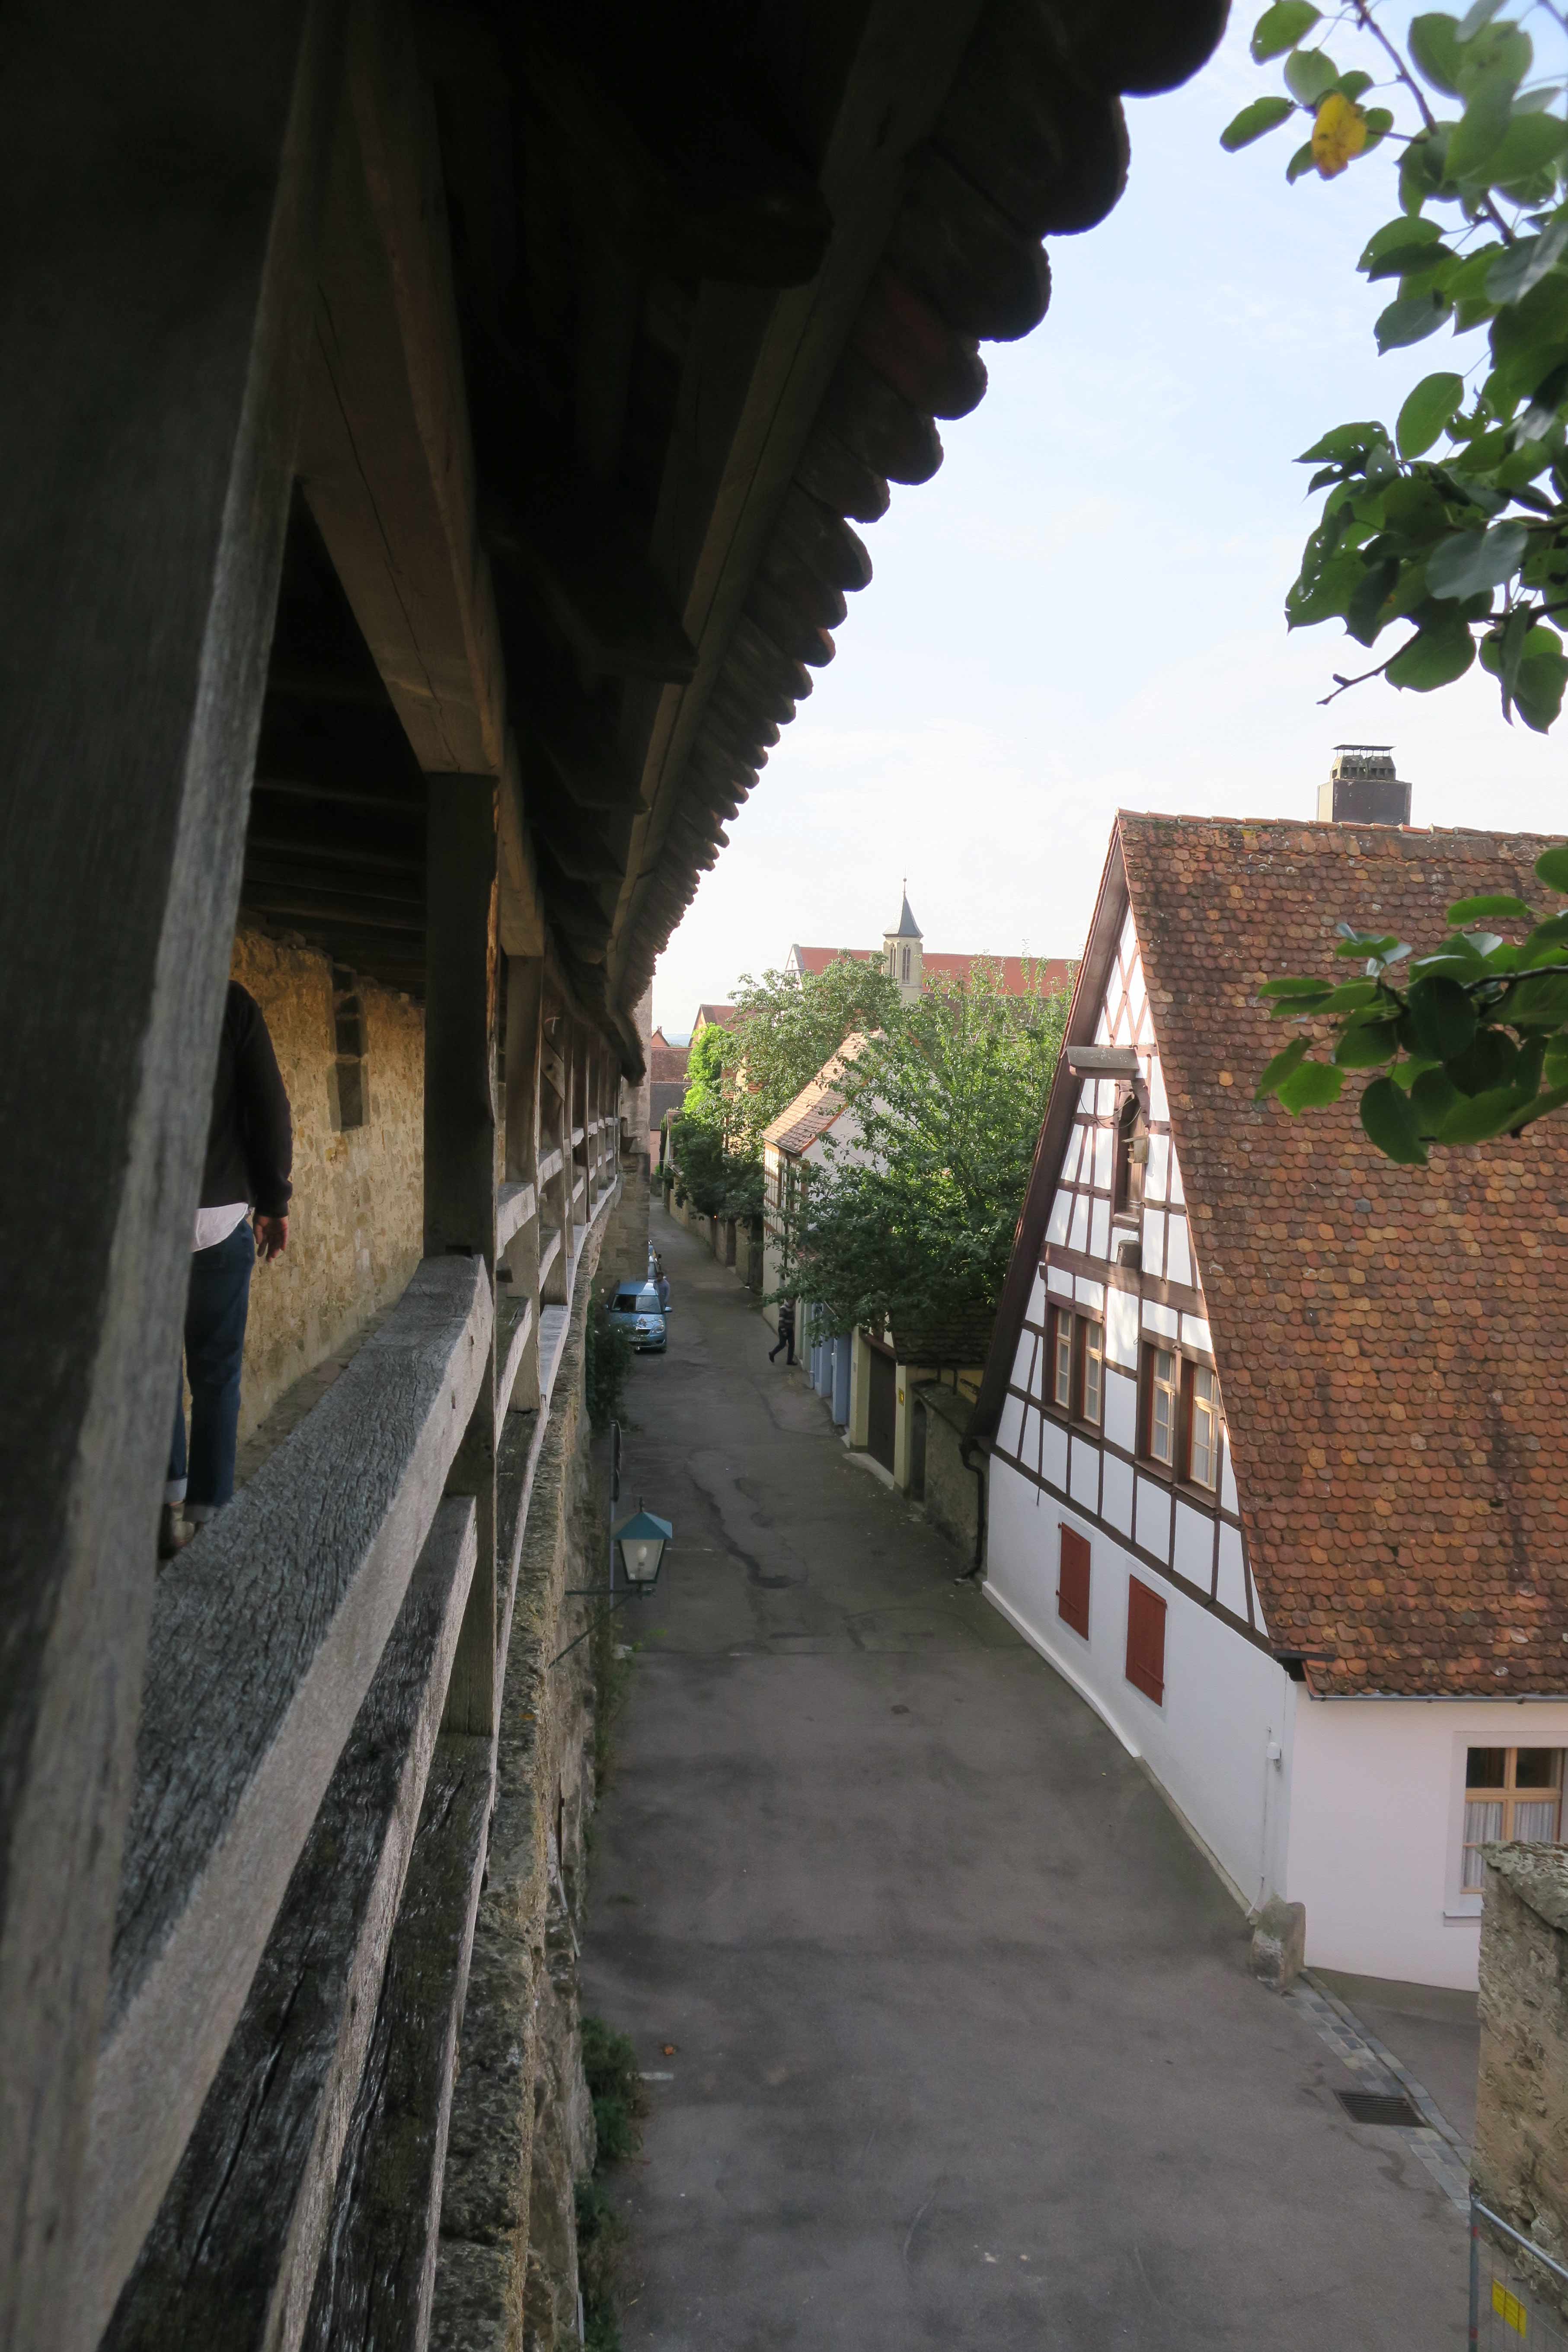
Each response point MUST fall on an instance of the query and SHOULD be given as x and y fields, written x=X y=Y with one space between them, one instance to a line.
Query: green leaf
x=1548 y=942
x=1532 y=144
x=1379 y=123
x=1398 y=234
x=1413 y=260
x=1540 y=1002
x=1264 y=114
x=1477 y=910
x=1552 y=868
x=1476 y=1118
x=1433 y=1094
x=1542 y=673
x=1390 y=1122
x=1477 y=137
x=1291 y=987
x=1470 y=561
x=1279 y=1068
x=1435 y=656
x=1310 y=1087
x=1300 y=163
x=1434 y=45
x=1443 y=1017
x=1309 y=74
x=1351 y=996
x=1490 y=1063
x=1472 y=20
x=1280 y=27
x=1519 y=266
x=1347 y=445
x=1411 y=320
x=1435 y=401
x=1368 y=1045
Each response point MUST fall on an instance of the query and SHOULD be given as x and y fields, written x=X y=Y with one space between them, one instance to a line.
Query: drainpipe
x=967 y=1448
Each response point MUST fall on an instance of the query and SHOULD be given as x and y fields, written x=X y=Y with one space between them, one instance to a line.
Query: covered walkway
x=961 y=2047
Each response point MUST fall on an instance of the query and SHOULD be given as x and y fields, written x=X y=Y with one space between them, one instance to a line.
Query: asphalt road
x=952 y=2034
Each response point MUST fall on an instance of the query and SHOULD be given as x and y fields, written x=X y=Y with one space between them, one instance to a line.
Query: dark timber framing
x=435 y=440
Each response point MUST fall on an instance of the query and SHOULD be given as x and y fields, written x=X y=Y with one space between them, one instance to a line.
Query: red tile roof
x=817 y=1106
x=721 y=1017
x=1021 y=975
x=1391 y=1343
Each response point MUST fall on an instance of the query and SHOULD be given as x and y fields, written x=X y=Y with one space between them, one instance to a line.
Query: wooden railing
x=308 y=1806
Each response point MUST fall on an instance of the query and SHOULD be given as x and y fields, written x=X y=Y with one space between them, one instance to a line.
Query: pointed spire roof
x=908 y=927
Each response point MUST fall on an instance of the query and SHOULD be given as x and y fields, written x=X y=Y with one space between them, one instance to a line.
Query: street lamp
x=640 y=1540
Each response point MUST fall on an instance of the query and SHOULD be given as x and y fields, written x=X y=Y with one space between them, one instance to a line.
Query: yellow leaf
x=1339 y=132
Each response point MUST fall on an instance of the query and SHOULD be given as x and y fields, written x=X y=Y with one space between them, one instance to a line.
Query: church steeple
x=903 y=949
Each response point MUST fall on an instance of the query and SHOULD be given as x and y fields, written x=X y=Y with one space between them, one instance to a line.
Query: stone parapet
x=1521 y=2120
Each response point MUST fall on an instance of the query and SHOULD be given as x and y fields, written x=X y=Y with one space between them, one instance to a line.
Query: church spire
x=908 y=927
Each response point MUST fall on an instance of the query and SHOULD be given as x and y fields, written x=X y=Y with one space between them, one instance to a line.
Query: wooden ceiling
x=626 y=318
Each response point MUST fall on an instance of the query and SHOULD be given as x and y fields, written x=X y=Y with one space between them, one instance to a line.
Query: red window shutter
x=1072 y=1582
x=1145 y=1640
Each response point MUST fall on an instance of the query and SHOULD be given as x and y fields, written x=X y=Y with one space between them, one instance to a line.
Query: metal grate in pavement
x=1379 y=2107
x=1433 y=2139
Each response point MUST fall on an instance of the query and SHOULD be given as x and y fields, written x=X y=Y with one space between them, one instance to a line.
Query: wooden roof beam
x=385 y=454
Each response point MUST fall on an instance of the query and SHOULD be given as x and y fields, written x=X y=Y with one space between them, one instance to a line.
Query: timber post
x=524 y=1047
x=155 y=317
x=461 y=1015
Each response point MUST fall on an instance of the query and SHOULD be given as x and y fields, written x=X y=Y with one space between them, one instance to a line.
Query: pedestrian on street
x=786 y=1332
x=250 y=1154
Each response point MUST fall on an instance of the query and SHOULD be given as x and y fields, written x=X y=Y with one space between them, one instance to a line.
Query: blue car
x=636 y=1308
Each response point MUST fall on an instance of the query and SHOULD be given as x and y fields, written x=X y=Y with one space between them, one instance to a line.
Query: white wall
x=1379 y=1824
x=1225 y=1700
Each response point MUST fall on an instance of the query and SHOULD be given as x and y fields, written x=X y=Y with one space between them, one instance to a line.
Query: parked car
x=636 y=1308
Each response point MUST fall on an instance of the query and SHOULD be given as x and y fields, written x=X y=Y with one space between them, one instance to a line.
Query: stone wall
x=521 y=2132
x=356 y=1222
x=1521 y=2120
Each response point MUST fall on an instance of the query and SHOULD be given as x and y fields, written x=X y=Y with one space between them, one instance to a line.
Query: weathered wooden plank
x=153 y=315
x=377 y=2274
x=514 y=1209
x=549 y=1166
x=232 y=2254
x=515 y=1329
x=265 y=1635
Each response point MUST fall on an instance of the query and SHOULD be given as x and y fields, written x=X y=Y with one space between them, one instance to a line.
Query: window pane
x=1537 y=1820
x=1062 y=1387
x=1482 y=1824
x=1536 y=1768
x=1092 y=1346
x=1485 y=1769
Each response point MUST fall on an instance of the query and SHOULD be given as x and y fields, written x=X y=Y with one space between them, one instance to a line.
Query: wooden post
x=524 y=1047
x=556 y=1122
x=462 y=956
x=154 y=314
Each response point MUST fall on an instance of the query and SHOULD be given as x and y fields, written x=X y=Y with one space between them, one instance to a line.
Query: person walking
x=249 y=1160
x=786 y=1332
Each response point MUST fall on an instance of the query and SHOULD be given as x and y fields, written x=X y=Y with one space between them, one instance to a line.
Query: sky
x=1082 y=612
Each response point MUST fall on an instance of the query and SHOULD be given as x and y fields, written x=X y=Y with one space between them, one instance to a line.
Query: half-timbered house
x=1275 y=1426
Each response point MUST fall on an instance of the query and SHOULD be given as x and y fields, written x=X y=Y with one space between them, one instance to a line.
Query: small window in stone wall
x=349 y=1079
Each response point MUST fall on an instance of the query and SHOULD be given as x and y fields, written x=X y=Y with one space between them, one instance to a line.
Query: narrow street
x=949 y=2028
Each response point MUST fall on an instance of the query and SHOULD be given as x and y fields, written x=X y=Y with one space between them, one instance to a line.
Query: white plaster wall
x=1225 y=1699
x=1379 y=1824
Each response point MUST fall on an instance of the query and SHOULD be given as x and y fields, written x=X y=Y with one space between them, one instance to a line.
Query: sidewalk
x=965 y=2051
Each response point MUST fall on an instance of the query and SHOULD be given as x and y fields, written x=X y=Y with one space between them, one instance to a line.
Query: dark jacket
x=250 y=1144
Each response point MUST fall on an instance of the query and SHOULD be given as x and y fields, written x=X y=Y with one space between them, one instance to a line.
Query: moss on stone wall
x=357 y=1218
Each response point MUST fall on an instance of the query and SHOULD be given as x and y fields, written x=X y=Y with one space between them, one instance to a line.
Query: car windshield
x=636 y=1298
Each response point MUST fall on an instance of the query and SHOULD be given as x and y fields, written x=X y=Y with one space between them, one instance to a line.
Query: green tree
x=1464 y=552
x=913 y=1223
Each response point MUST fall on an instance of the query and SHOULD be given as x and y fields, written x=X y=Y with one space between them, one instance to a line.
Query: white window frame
x=1459 y=1902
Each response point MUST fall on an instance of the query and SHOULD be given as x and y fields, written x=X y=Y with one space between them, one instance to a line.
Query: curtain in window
x=1483 y=1824
x=1536 y=1822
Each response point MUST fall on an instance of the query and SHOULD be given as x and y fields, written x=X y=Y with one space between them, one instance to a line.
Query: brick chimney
x=1363 y=788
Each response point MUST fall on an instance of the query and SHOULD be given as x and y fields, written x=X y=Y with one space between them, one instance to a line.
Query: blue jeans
x=215 y=1348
